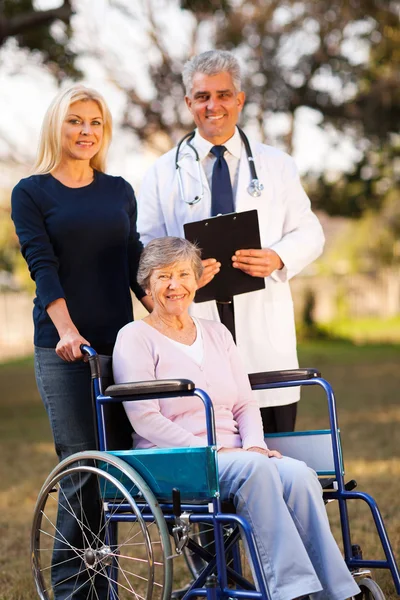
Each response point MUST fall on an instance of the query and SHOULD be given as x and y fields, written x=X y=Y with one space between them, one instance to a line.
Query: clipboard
x=219 y=237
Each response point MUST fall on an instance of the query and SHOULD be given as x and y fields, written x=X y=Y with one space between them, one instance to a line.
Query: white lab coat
x=264 y=320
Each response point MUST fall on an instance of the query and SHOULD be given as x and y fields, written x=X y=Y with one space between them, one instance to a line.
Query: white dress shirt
x=232 y=157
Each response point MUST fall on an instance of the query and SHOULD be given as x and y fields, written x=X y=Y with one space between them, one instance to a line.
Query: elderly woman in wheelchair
x=280 y=497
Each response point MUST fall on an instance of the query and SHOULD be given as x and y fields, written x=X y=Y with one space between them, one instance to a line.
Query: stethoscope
x=255 y=187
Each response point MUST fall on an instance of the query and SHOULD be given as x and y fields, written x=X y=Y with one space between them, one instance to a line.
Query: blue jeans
x=282 y=501
x=65 y=389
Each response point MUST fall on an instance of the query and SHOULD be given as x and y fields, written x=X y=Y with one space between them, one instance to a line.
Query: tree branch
x=29 y=20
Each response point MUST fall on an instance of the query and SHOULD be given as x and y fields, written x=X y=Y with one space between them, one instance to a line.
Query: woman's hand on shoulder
x=265 y=451
x=69 y=346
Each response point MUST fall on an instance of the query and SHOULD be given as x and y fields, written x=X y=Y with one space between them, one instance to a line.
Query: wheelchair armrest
x=283 y=376
x=160 y=386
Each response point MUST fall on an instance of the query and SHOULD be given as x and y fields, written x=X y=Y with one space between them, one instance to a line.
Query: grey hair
x=212 y=62
x=165 y=251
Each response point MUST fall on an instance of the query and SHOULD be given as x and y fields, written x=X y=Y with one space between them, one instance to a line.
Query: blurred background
x=322 y=82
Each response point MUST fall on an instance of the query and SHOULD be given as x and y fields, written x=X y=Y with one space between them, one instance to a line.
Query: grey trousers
x=282 y=500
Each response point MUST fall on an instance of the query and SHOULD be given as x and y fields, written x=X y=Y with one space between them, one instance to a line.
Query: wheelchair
x=160 y=503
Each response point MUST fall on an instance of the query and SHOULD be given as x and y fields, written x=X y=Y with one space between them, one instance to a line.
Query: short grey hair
x=165 y=251
x=212 y=62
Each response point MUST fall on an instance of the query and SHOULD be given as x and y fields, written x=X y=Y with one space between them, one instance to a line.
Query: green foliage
x=368 y=243
x=11 y=260
x=293 y=48
x=7 y=244
x=375 y=179
x=11 y=8
x=307 y=328
x=364 y=330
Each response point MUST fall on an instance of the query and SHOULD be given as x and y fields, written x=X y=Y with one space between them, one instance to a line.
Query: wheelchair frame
x=214 y=580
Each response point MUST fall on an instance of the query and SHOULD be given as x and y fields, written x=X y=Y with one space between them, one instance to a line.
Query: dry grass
x=366 y=381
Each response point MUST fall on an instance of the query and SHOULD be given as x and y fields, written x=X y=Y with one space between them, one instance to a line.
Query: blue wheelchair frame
x=206 y=584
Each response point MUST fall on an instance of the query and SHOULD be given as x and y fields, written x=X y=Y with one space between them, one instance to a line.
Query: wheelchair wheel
x=114 y=542
x=370 y=590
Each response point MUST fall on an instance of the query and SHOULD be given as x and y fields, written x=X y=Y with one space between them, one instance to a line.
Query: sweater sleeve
x=135 y=246
x=134 y=360
x=246 y=411
x=36 y=246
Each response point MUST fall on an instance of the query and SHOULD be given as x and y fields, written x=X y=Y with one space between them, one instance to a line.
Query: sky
x=27 y=89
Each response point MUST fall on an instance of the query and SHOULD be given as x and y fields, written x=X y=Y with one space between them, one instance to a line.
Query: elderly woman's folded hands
x=265 y=451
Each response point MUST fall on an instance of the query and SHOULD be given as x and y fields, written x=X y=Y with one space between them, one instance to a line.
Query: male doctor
x=262 y=322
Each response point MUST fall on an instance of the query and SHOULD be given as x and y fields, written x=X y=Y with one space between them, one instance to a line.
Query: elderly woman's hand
x=211 y=268
x=265 y=451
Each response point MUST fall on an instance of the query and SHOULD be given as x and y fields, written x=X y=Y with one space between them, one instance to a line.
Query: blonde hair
x=50 y=144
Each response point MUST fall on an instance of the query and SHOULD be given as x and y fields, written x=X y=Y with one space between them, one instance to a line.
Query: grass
x=366 y=380
x=365 y=330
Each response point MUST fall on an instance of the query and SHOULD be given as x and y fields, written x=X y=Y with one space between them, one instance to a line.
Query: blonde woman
x=77 y=230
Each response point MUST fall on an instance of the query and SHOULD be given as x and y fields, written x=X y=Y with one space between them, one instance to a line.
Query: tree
x=338 y=58
x=32 y=29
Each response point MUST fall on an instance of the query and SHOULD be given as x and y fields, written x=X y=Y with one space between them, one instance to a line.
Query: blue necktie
x=221 y=187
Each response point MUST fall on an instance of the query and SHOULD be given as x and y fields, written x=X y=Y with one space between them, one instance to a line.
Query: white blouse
x=196 y=350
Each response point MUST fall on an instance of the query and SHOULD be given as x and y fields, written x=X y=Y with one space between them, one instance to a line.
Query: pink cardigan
x=142 y=353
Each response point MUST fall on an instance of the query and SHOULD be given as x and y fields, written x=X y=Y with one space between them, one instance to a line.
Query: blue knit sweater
x=80 y=244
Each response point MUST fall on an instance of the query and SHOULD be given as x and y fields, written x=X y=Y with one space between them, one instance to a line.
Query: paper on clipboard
x=219 y=237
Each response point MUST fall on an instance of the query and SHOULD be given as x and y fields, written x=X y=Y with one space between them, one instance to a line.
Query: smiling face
x=215 y=105
x=172 y=288
x=82 y=131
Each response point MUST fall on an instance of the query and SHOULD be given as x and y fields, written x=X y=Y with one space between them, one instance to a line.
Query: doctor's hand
x=257 y=263
x=211 y=268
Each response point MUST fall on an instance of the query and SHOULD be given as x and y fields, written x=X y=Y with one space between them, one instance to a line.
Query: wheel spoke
x=81 y=570
x=123 y=572
x=95 y=555
x=63 y=562
x=62 y=541
x=82 y=525
x=123 y=586
x=68 y=579
x=92 y=581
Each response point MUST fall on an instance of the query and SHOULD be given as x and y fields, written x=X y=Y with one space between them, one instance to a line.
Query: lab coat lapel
x=246 y=202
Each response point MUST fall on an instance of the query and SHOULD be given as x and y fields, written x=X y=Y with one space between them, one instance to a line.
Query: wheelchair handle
x=93 y=360
x=87 y=350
